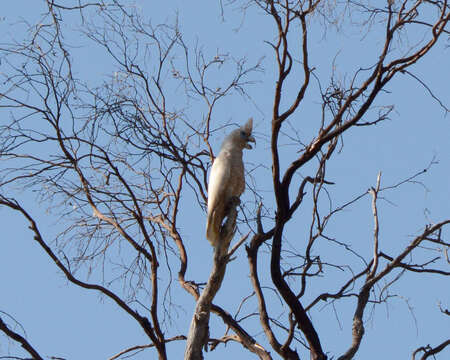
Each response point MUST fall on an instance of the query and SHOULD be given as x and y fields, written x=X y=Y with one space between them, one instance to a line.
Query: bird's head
x=243 y=135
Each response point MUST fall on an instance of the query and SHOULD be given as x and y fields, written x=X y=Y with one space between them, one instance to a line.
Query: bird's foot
x=234 y=201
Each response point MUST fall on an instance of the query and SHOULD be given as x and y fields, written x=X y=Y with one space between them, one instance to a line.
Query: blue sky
x=61 y=320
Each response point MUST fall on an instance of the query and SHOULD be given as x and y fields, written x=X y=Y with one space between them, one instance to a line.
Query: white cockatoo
x=226 y=180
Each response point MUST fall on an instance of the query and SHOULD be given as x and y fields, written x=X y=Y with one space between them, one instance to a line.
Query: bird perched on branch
x=226 y=180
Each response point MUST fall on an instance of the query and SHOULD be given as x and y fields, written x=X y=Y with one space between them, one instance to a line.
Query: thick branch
x=303 y=321
x=252 y=255
x=429 y=351
x=244 y=338
x=199 y=330
x=20 y=339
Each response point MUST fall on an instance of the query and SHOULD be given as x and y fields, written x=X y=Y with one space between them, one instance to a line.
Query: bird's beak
x=250 y=139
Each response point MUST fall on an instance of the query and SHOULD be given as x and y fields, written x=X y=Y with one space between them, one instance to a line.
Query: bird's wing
x=218 y=182
x=217 y=190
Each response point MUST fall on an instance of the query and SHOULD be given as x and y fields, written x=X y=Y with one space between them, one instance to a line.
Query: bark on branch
x=20 y=339
x=363 y=297
x=429 y=351
x=199 y=329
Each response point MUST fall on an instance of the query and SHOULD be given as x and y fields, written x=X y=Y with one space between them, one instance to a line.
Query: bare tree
x=122 y=161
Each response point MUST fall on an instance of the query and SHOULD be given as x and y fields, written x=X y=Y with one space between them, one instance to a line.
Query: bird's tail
x=212 y=229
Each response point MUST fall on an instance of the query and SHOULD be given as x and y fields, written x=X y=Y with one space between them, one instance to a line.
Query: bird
x=226 y=179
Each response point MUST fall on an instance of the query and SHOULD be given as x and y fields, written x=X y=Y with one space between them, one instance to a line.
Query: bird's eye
x=243 y=134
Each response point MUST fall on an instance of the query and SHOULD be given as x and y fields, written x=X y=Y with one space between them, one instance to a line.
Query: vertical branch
x=252 y=255
x=374 y=193
x=192 y=288
x=199 y=329
x=363 y=296
x=281 y=189
x=303 y=321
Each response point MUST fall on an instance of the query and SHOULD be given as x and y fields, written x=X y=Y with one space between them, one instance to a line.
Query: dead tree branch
x=21 y=340
x=198 y=335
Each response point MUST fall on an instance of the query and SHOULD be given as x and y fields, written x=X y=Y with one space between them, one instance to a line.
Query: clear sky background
x=62 y=320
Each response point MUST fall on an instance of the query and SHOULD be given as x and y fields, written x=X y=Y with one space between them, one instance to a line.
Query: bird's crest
x=248 y=126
